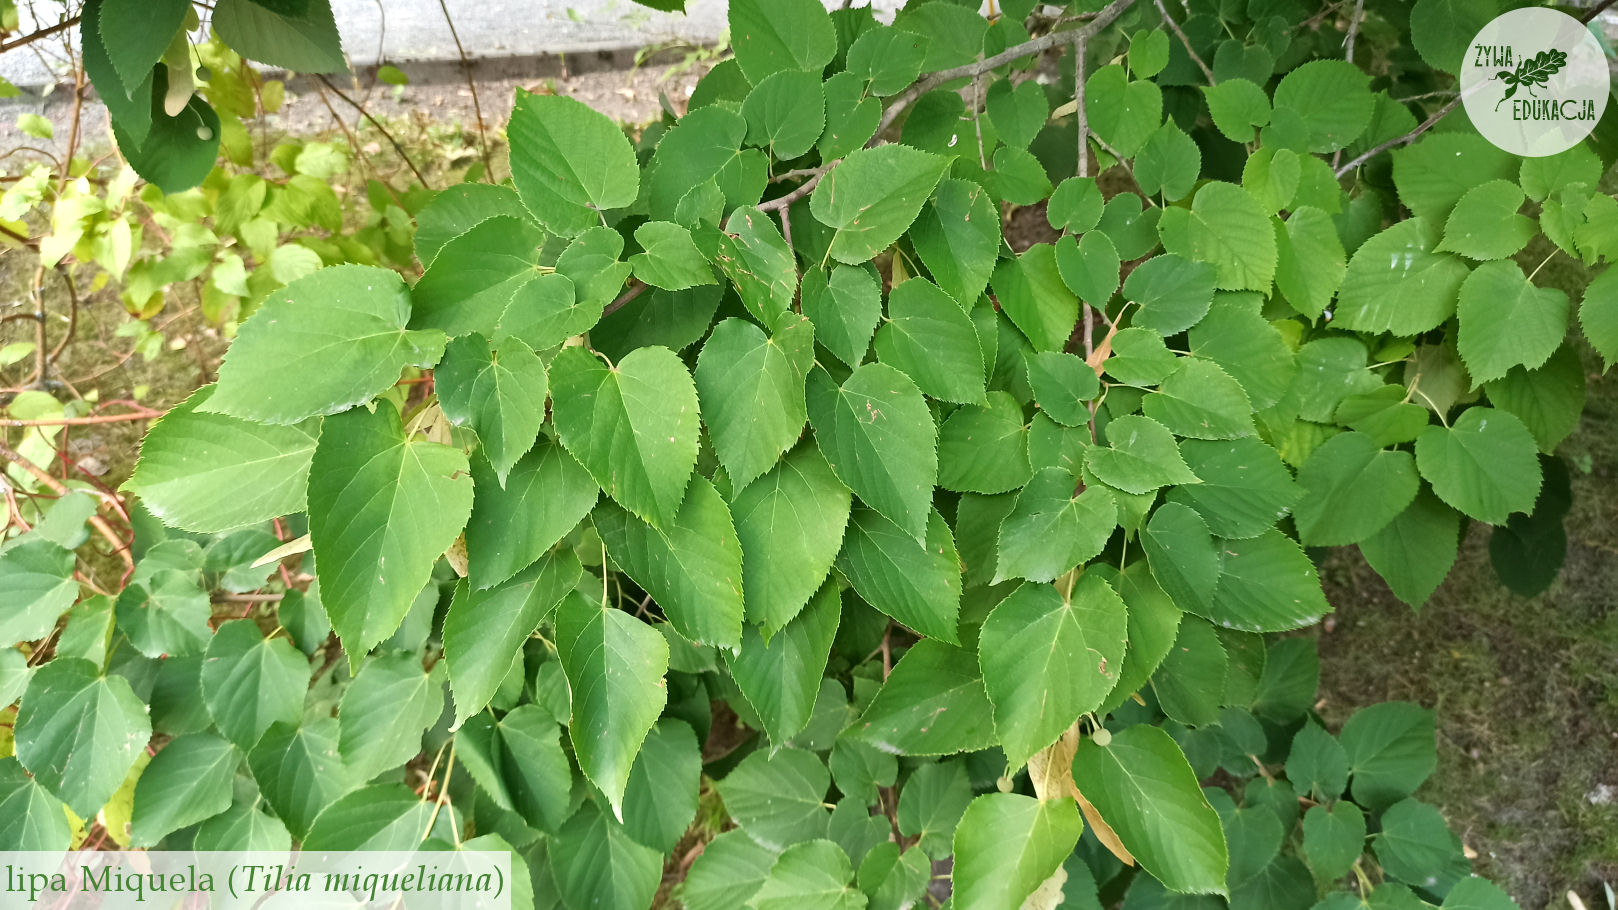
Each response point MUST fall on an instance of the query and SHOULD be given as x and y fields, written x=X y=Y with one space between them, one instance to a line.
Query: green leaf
x=955 y=34
x=1333 y=98
x=777 y=798
x=569 y=163
x=888 y=58
x=1440 y=30
x=780 y=677
x=1245 y=487
x=790 y=524
x=648 y=398
x=1485 y=225
x=1486 y=464
x=1475 y=893
x=78 y=733
x=1201 y=401
x=1018 y=112
x=187 y=782
x=499 y=389
x=341 y=331
x=1310 y=262
x=877 y=434
x=693 y=570
x=670 y=259
x=1289 y=681
x=545 y=496
x=933 y=340
x=1318 y=761
x=933 y=703
x=984 y=449
x=485 y=277
x=537 y=770
x=1089 y=267
x=130 y=106
x=457 y=209
x=1062 y=384
x=1182 y=556
x=1236 y=336
x=136 y=33
x=382 y=508
x=484 y=631
x=1237 y=106
x=1506 y=321
x=245 y=829
x=1181 y=682
x=37 y=587
x=852 y=116
x=1054 y=527
x=1391 y=750
x=596 y=863
x=1032 y=294
x=384 y=711
x=844 y=307
x=381 y=817
x=1547 y=400
x=1415 y=846
x=615 y=666
x=1153 y=624
x=786 y=113
x=728 y=873
x=1007 y=845
x=751 y=387
x=1397 y=283
x=1122 y=112
x=1140 y=456
x=1598 y=315
x=894 y=878
x=1168 y=163
x=176 y=153
x=1352 y=488
x=1267 y=584
x=860 y=770
x=1227 y=228
x=873 y=196
x=1415 y=551
x=209 y=472
x=1174 y=293
x=306 y=42
x=814 y=875
x=30 y=817
x=250 y=682
x=661 y=799
x=776 y=35
x=1141 y=784
x=300 y=770
x=917 y=583
x=1333 y=839
x=1433 y=174
x=1048 y=658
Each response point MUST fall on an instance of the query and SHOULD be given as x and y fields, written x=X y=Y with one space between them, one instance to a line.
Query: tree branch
x=1184 y=40
x=42 y=33
x=1402 y=140
x=380 y=128
x=1028 y=48
x=636 y=290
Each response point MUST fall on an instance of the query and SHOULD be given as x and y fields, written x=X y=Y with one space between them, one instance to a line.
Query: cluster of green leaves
x=764 y=479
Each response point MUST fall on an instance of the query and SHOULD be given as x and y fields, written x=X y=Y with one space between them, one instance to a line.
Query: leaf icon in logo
x=1532 y=71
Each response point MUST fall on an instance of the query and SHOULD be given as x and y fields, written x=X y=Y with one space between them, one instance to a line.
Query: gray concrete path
x=415 y=31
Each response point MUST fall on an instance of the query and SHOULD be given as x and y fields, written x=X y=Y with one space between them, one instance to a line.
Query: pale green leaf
x=1007 y=845
x=877 y=434
x=499 y=389
x=917 y=583
x=790 y=524
x=569 y=163
x=250 y=682
x=1486 y=464
x=873 y=196
x=78 y=733
x=1352 y=489
x=751 y=388
x=484 y=631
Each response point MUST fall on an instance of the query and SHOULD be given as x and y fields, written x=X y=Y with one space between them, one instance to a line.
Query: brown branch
x=1353 y=30
x=477 y=109
x=72 y=315
x=82 y=421
x=1079 y=48
x=42 y=33
x=1401 y=140
x=25 y=241
x=1184 y=40
x=119 y=545
x=780 y=203
x=638 y=288
x=1028 y=48
x=379 y=128
x=1597 y=10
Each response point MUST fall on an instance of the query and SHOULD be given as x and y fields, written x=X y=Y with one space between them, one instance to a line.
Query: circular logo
x=1534 y=82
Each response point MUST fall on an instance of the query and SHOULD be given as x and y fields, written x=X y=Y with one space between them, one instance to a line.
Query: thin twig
x=1184 y=40
x=1028 y=48
x=72 y=315
x=42 y=33
x=379 y=128
x=1080 y=47
x=636 y=289
x=477 y=109
x=119 y=545
x=780 y=203
x=1353 y=30
x=1401 y=140
x=1597 y=10
x=82 y=421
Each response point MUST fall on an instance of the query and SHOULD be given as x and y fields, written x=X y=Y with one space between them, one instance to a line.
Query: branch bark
x=1407 y=138
x=1028 y=48
x=1184 y=40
